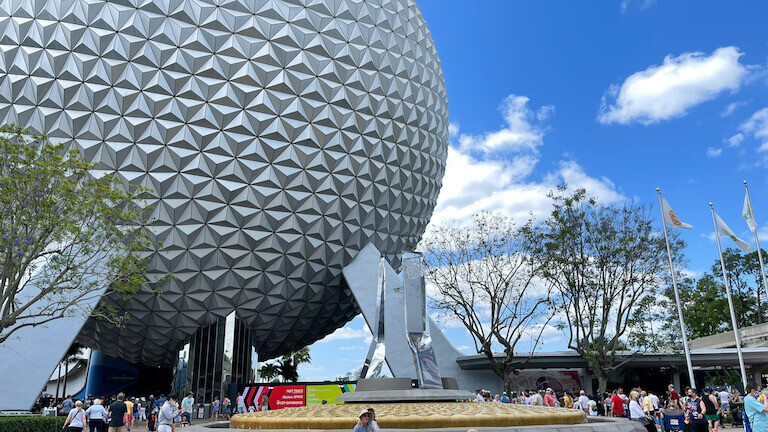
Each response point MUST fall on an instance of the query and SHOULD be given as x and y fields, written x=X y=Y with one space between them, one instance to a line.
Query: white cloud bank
x=668 y=90
x=491 y=171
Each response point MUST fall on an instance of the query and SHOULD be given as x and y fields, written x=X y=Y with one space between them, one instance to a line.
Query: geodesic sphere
x=279 y=138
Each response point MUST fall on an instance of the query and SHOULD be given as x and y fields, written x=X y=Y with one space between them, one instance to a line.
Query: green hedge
x=31 y=424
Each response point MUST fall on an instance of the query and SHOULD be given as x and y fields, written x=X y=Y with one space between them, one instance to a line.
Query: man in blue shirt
x=186 y=408
x=66 y=405
x=757 y=412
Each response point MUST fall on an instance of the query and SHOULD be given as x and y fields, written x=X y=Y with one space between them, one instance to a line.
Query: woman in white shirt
x=76 y=419
x=635 y=410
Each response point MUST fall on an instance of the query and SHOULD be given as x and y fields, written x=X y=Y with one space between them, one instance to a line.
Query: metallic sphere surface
x=279 y=138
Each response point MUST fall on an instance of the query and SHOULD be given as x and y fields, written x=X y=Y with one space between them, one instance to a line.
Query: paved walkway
x=201 y=426
x=201 y=423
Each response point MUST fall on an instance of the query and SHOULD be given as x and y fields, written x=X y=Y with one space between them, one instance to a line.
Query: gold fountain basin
x=409 y=416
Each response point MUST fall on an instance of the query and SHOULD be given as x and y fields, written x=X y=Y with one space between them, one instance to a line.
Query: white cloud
x=736 y=140
x=668 y=90
x=731 y=107
x=757 y=127
x=521 y=131
x=351 y=348
x=471 y=185
x=643 y=4
x=481 y=177
x=347 y=332
x=453 y=129
x=714 y=152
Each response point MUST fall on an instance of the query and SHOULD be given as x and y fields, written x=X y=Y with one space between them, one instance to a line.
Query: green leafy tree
x=705 y=305
x=269 y=372
x=288 y=365
x=63 y=234
x=607 y=263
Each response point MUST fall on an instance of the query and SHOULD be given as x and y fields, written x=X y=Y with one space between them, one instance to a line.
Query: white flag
x=670 y=218
x=746 y=214
x=724 y=231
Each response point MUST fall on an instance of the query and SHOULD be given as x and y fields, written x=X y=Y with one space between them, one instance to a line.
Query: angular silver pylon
x=416 y=323
x=374 y=361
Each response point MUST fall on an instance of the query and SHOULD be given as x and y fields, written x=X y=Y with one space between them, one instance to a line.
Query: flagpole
x=757 y=243
x=677 y=295
x=730 y=300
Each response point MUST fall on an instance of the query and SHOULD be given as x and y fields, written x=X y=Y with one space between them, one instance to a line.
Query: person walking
x=166 y=414
x=95 y=416
x=226 y=408
x=696 y=412
x=725 y=402
x=241 y=404
x=672 y=394
x=66 y=405
x=143 y=410
x=117 y=411
x=583 y=402
x=215 y=408
x=710 y=402
x=75 y=421
x=617 y=404
x=186 y=409
x=129 y=413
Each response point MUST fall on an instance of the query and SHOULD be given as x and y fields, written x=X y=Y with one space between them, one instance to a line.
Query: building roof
x=570 y=359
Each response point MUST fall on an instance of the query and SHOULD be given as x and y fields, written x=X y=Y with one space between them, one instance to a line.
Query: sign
x=279 y=395
x=289 y=396
x=316 y=394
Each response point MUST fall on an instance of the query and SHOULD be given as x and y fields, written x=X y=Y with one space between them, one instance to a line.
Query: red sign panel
x=287 y=396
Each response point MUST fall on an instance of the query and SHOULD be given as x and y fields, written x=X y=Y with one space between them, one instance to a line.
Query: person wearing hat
x=374 y=424
x=504 y=398
x=549 y=398
x=364 y=425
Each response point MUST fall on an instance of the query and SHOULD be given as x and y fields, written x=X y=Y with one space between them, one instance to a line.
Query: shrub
x=31 y=424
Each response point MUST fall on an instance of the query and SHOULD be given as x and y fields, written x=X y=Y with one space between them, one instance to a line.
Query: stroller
x=737 y=414
x=674 y=420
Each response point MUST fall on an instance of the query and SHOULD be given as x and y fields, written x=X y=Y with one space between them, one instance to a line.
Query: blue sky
x=619 y=97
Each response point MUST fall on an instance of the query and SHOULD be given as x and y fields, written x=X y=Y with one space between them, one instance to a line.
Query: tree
x=269 y=372
x=73 y=353
x=484 y=274
x=63 y=234
x=607 y=262
x=288 y=365
x=705 y=304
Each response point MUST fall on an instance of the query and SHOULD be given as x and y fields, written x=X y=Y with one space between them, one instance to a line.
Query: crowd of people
x=121 y=414
x=704 y=411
